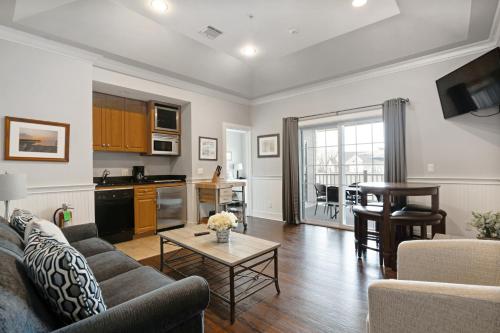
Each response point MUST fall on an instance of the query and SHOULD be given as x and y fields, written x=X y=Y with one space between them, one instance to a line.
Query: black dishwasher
x=114 y=214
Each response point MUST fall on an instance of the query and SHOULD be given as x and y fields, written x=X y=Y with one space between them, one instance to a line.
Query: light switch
x=430 y=167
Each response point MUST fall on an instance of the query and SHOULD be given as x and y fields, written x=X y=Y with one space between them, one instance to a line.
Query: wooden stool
x=412 y=219
x=422 y=208
x=363 y=214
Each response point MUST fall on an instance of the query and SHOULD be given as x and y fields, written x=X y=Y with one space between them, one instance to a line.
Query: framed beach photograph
x=268 y=145
x=36 y=140
x=207 y=149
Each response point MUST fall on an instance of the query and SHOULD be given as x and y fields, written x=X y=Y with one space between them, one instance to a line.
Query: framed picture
x=268 y=145
x=207 y=149
x=36 y=140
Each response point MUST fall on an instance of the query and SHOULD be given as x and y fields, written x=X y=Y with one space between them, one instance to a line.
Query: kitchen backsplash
x=120 y=164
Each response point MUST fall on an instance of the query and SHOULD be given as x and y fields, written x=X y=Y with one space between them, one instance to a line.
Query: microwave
x=164 y=144
x=166 y=118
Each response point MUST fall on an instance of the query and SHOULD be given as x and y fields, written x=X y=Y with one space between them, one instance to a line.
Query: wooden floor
x=323 y=285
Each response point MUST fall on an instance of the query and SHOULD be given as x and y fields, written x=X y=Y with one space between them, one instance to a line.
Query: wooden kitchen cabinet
x=144 y=210
x=135 y=126
x=119 y=124
x=98 y=140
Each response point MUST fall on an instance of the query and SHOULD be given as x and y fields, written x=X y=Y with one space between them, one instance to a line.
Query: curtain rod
x=351 y=110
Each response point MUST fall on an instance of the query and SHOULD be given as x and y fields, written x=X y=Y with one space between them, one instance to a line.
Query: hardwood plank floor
x=323 y=285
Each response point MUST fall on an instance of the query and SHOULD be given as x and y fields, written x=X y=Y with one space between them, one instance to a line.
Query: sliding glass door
x=334 y=158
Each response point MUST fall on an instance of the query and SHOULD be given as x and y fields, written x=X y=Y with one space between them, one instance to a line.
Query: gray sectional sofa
x=138 y=298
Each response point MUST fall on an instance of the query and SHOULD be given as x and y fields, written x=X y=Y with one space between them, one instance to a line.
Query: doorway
x=237 y=157
x=335 y=157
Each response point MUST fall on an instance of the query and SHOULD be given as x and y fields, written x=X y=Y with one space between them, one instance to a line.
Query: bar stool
x=363 y=214
x=441 y=228
x=405 y=219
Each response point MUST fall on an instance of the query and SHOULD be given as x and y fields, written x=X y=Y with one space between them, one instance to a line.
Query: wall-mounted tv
x=472 y=87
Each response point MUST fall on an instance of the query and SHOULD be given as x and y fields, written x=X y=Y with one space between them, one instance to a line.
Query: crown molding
x=458 y=52
x=27 y=39
x=380 y=71
x=119 y=67
x=97 y=60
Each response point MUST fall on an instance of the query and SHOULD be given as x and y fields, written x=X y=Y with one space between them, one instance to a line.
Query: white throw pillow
x=46 y=227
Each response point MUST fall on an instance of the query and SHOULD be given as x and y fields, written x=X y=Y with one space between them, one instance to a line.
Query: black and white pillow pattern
x=61 y=274
x=19 y=219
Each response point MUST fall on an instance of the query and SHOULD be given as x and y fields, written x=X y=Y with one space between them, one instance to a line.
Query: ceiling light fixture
x=359 y=3
x=159 y=5
x=249 y=51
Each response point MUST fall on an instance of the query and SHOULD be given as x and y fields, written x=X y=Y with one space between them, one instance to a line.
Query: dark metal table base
x=232 y=284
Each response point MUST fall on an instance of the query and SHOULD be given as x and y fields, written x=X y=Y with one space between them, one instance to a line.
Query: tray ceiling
x=333 y=39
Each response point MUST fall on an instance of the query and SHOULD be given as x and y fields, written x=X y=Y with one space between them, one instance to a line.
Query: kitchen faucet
x=105 y=175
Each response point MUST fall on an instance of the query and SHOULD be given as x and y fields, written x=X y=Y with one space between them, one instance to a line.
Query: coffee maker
x=138 y=173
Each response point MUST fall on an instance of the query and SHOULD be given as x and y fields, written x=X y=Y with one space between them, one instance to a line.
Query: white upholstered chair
x=442 y=286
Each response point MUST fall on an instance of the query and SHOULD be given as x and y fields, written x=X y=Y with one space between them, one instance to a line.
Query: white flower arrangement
x=488 y=224
x=222 y=221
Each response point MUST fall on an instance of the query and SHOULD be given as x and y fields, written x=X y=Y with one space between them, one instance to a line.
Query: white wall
x=42 y=85
x=463 y=149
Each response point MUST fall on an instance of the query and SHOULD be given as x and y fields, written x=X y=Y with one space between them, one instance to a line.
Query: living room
x=345 y=109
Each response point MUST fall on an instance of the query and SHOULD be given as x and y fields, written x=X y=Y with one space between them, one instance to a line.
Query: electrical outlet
x=270 y=205
x=430 y=167
x=200 y=171
x=124 y=172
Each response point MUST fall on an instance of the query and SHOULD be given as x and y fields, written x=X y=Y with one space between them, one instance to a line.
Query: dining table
x=389 y=191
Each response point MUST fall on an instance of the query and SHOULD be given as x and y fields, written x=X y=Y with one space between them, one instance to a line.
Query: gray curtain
x=291 y=212
x=394 y=114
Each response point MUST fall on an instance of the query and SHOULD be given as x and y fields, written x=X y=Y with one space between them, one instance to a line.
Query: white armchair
x=442 y=286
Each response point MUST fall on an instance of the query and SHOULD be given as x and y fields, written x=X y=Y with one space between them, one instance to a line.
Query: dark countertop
x=130 y=181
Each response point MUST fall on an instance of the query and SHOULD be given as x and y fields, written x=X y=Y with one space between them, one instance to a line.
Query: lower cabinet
x=145 y=210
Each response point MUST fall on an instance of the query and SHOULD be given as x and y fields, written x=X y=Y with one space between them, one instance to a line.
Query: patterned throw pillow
x=62 y=276
x=19 y=219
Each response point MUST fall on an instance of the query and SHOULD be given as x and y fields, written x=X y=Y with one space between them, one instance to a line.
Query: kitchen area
x=135 y=143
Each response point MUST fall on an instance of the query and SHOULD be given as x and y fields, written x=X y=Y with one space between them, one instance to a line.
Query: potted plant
x=488 y=225
x=222 y=223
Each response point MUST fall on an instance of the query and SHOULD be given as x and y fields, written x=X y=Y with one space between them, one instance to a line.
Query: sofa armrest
x=410 y=306
x=467 y=261
x=158 y=311
x=79 y=232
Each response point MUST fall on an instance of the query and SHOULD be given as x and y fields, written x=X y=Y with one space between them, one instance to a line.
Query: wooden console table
x=221 y=194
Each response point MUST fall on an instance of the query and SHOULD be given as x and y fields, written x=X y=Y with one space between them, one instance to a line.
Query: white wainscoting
x=458 y=197
x=44 y=200
x=266 y=197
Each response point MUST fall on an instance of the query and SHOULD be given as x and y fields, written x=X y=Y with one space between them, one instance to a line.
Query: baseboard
x=267 y=215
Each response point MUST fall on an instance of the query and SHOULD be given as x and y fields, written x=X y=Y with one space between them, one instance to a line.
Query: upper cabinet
x=119 y=124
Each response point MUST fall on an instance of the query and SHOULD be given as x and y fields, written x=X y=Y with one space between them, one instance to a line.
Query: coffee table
x=234 y=270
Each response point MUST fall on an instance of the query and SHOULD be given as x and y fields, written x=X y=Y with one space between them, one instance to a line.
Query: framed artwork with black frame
x=268 y=145
x=207 y=149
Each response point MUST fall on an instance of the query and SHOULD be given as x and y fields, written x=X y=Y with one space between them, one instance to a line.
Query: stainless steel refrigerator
x=171 y=207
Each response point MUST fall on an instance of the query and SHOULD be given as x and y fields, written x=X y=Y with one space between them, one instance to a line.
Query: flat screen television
x=472 y=87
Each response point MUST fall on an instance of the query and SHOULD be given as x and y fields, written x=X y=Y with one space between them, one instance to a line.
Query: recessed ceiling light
x=358 y=3
x=293 y=31
x=249 y=51
x=159 y=5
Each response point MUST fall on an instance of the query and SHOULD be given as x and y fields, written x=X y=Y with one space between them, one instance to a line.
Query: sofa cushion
x=92 y=246
x=48 y=228
x=61 y=274
x=132 y=284
x=9 y=239
x=109 y=264
x=21 y=308
x=19 y=218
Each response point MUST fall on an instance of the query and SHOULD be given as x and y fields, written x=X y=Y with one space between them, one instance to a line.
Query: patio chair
x=332 y=197
x=320 y=196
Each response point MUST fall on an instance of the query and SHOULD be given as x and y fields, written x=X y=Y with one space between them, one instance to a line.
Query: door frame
x=248 y=163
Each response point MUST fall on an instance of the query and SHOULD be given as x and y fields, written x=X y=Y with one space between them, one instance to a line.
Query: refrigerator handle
x=157 y=200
